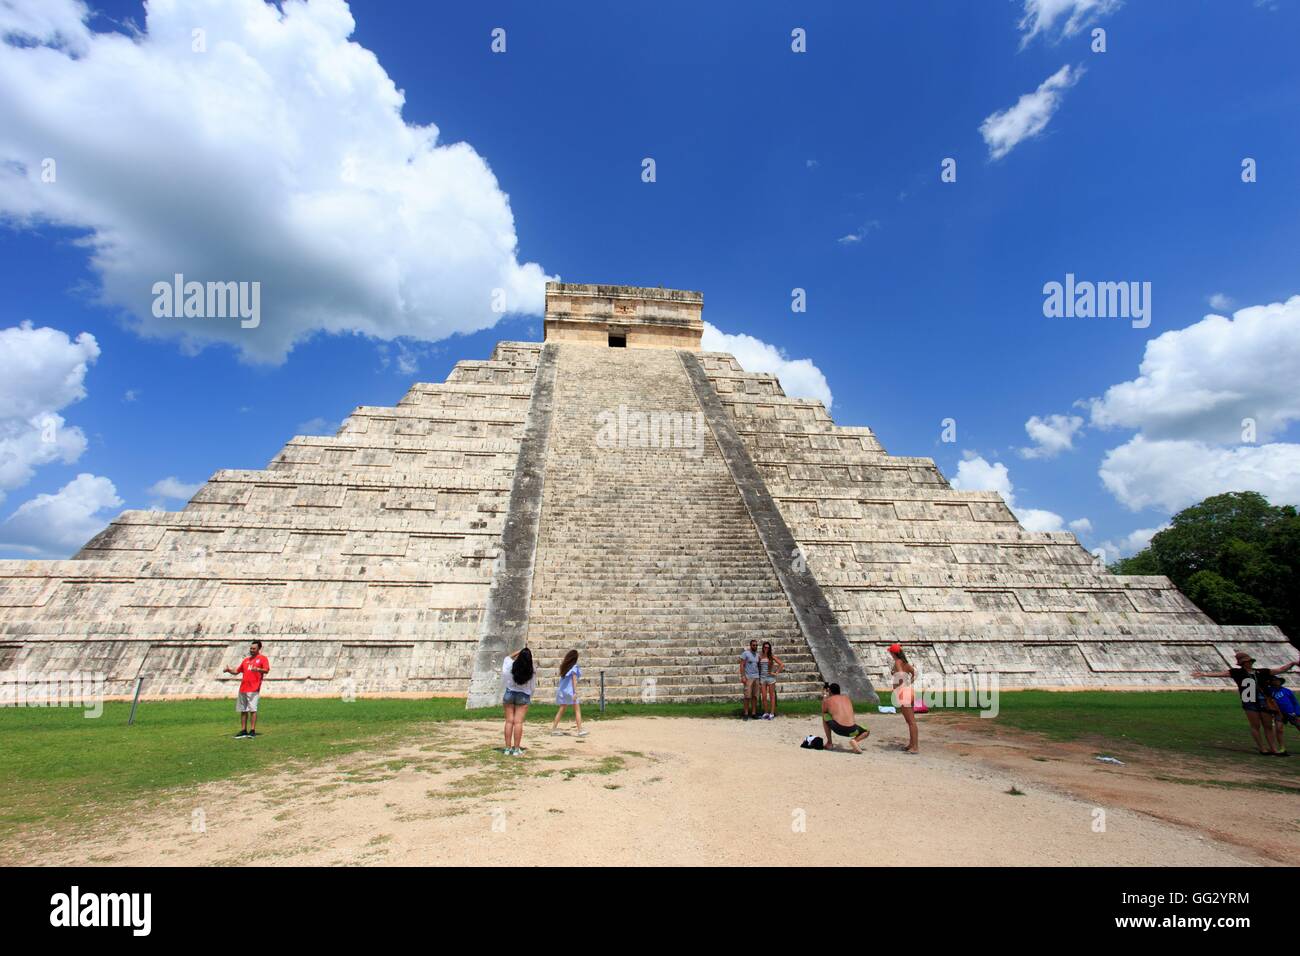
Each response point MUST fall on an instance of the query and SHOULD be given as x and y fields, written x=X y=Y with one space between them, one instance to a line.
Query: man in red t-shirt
x=253 y=668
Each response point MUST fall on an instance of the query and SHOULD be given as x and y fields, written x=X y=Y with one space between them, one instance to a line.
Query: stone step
x=647 y=560
x=668 y=668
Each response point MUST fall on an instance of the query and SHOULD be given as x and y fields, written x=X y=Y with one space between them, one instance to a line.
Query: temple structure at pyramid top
x=613 y=489
x=621 y=316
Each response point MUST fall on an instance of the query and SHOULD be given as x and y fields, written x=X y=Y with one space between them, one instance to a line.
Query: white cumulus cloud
x=1051 y=435
x=1130 y=544
x=1043 y=16
x=976 y=473
x=174 y=489
x=800 y=378
x=57 y=525
x=1207 y=407
x=42 y=371
x=1202 y=382
x=1171 y=474
x=279 y=156
x=1003 y=131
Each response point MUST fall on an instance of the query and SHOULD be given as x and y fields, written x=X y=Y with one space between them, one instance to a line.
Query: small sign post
x=135 y=700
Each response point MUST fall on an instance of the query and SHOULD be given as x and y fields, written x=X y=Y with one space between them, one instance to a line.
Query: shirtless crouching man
x=837 y=717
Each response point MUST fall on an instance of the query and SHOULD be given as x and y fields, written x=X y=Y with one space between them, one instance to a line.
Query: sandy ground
x=1217 y=800
x=658 y=791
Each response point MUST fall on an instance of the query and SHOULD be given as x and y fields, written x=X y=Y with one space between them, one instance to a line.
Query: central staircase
x=647 y=560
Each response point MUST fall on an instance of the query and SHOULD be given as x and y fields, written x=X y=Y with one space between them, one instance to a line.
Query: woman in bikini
x=904 y=695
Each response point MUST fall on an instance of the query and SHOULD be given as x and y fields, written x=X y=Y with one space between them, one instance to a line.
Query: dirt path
x=1221 y=800
x=663 y=791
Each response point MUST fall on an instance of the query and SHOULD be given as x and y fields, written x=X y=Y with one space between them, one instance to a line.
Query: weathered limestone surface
x=505 y=622
x=364 y=560
x=904 y=557
x=647 y=560
x=654 y=506
x=835 y=656
x=645 y=318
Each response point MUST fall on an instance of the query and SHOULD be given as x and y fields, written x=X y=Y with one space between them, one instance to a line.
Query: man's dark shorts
x=854 y=731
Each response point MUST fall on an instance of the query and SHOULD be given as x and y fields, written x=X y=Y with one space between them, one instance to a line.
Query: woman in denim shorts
x=518 y=677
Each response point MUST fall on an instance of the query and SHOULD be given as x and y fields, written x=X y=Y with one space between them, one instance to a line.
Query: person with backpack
x=518 y=678
x=566 y=695
x=1286 y=708
x=1252 y=689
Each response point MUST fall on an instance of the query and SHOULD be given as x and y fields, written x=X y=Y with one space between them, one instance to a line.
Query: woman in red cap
x=904 y=696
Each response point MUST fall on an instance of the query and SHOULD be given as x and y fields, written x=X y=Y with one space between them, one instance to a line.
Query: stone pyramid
x=613 y=489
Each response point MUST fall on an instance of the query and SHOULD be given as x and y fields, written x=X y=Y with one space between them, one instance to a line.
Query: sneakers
x=251 y=734
x=558 y=733
x=581 y=733
x=241 y=735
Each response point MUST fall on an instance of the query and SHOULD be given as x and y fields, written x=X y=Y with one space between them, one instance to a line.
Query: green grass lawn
x=56 y=763
x=1207 y=725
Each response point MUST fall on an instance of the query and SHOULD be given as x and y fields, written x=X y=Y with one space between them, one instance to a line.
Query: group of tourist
x=758 y=672
x=519 y=678
x=1268 y=703
x=838 y=718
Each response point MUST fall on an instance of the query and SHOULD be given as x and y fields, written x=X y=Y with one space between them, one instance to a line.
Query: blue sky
x=766 y=161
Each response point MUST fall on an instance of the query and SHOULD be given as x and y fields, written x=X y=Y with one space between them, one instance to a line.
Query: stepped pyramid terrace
x=614 y=489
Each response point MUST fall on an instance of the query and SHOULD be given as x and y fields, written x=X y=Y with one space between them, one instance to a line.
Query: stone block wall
x=905 y=557
x=362 y=559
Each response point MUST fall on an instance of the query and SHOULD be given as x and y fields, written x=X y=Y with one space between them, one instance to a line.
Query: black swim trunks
x=854 y=731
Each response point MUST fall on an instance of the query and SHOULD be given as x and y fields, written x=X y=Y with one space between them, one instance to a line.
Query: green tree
x=1223 y=600
x=1235 y=555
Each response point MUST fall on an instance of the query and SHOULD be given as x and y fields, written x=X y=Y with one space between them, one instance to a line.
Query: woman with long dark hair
x=518 y=677
x=769 y=665
x=566 y=694
x=904 y=695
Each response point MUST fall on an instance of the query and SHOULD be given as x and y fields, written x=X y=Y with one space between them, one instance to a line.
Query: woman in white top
x=518 y=678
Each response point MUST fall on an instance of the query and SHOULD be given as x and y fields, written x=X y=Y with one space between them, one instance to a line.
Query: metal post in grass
x=135 y=700
x=602 y=692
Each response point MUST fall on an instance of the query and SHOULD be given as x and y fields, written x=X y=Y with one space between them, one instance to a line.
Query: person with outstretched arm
x=253 y=668
x=1252 y=687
